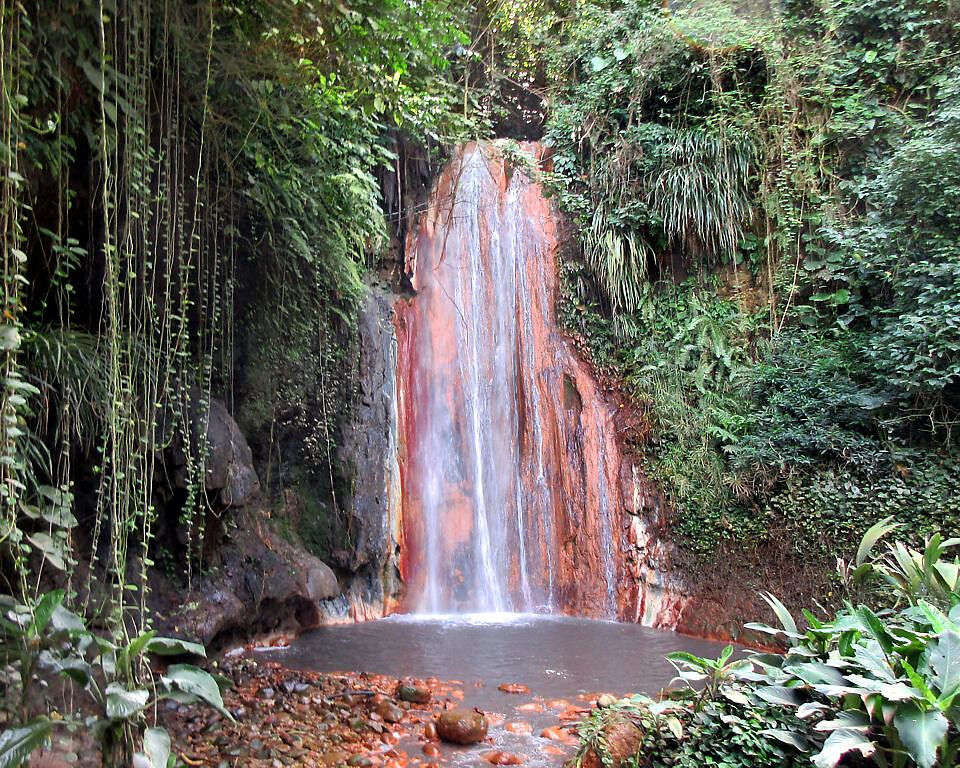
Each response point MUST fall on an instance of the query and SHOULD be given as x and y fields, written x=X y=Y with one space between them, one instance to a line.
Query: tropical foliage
x=189 y=198
x=880 y=684
x=768 y=257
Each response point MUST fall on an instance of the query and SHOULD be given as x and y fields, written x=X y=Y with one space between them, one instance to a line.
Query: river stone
x=502 y=758
x=621 y=739
x=461 y=726
x=413 y=694
x=389 y=711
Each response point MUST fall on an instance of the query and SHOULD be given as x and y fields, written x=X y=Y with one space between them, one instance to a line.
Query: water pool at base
x=555 y=657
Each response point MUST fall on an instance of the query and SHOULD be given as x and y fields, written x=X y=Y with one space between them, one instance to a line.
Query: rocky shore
x=285 y=717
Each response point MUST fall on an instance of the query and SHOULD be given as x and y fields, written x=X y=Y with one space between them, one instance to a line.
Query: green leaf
x=598 y=63
x=44 y=611
x=780 y=695
x=850 y=719
x=51 y=550
x=921 y=732
x=171 y=646
x=839 y=743
x=121 y=703
x=196 y=682
x=16 y=744
x=782 y=614
x=944 y=662
x=73 y=667
x=94 y=74
x=876 y=628
x=156 y=747
x=794 y=739
x=137 y=645
x=874 y=533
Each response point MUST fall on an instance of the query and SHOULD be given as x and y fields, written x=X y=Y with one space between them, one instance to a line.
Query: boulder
x=261 y=583
x=461 y=726
x=413 y=693
x=229 y=460
x=621 y=741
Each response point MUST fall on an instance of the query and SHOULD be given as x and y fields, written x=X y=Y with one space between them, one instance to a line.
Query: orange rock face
x=515 y=493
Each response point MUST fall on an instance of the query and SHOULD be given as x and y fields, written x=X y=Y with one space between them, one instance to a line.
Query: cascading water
x=509 y=502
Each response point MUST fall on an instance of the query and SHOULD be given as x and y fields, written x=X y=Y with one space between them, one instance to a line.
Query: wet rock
x=621 y=740
x=390 y=712
x=513 y=688
x=558 y=734
x=460 y=726
x=369 y=453
x=518 y=727
x=431 y=750
x=606 y=700
x=228 y=463
x=360 y=761
x=413 y=694
x=430 y=731
x=499 y=757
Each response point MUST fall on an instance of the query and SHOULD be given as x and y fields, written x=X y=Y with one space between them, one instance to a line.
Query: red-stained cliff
x=515 y=493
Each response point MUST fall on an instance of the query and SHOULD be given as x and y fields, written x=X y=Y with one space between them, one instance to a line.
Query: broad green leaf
x=839 y=743
x=778 y=694
x=675 y=726
x=811 y=708
x=944 y=662
x=598 y=63
x=43 y=613
x=156 y=747
x=874 y=533
x=196 y=682
x=851 y=719
x=121 y=703
x=65 y=620
x=734 y=695
x=51 y=550
x=876 y=628
x=921 y=732
x=817 y=673
x=171 y=646
x=782 y=614
x=74 y=667
x=796 y=740
x=16 y=744
x=137 y=645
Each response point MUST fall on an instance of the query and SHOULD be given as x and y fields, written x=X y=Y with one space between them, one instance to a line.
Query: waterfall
x=507 y=502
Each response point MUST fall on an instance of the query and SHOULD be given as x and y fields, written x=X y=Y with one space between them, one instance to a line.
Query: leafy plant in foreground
x=883 y=684
x=44 y=635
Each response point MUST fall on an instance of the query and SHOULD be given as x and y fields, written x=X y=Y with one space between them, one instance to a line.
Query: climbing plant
x=188 y=202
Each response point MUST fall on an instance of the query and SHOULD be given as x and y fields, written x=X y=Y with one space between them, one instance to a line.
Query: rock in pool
x=389 y=711
x=461 y=726
x=502 y=758
x=414 y=694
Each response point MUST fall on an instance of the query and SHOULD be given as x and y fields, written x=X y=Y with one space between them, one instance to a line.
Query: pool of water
x=555 y=657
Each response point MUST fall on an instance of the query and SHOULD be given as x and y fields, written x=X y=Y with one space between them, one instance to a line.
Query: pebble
x=502 y=758
x=413 y=693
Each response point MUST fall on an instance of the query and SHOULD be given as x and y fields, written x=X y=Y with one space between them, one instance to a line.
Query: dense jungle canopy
x=761 y=258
